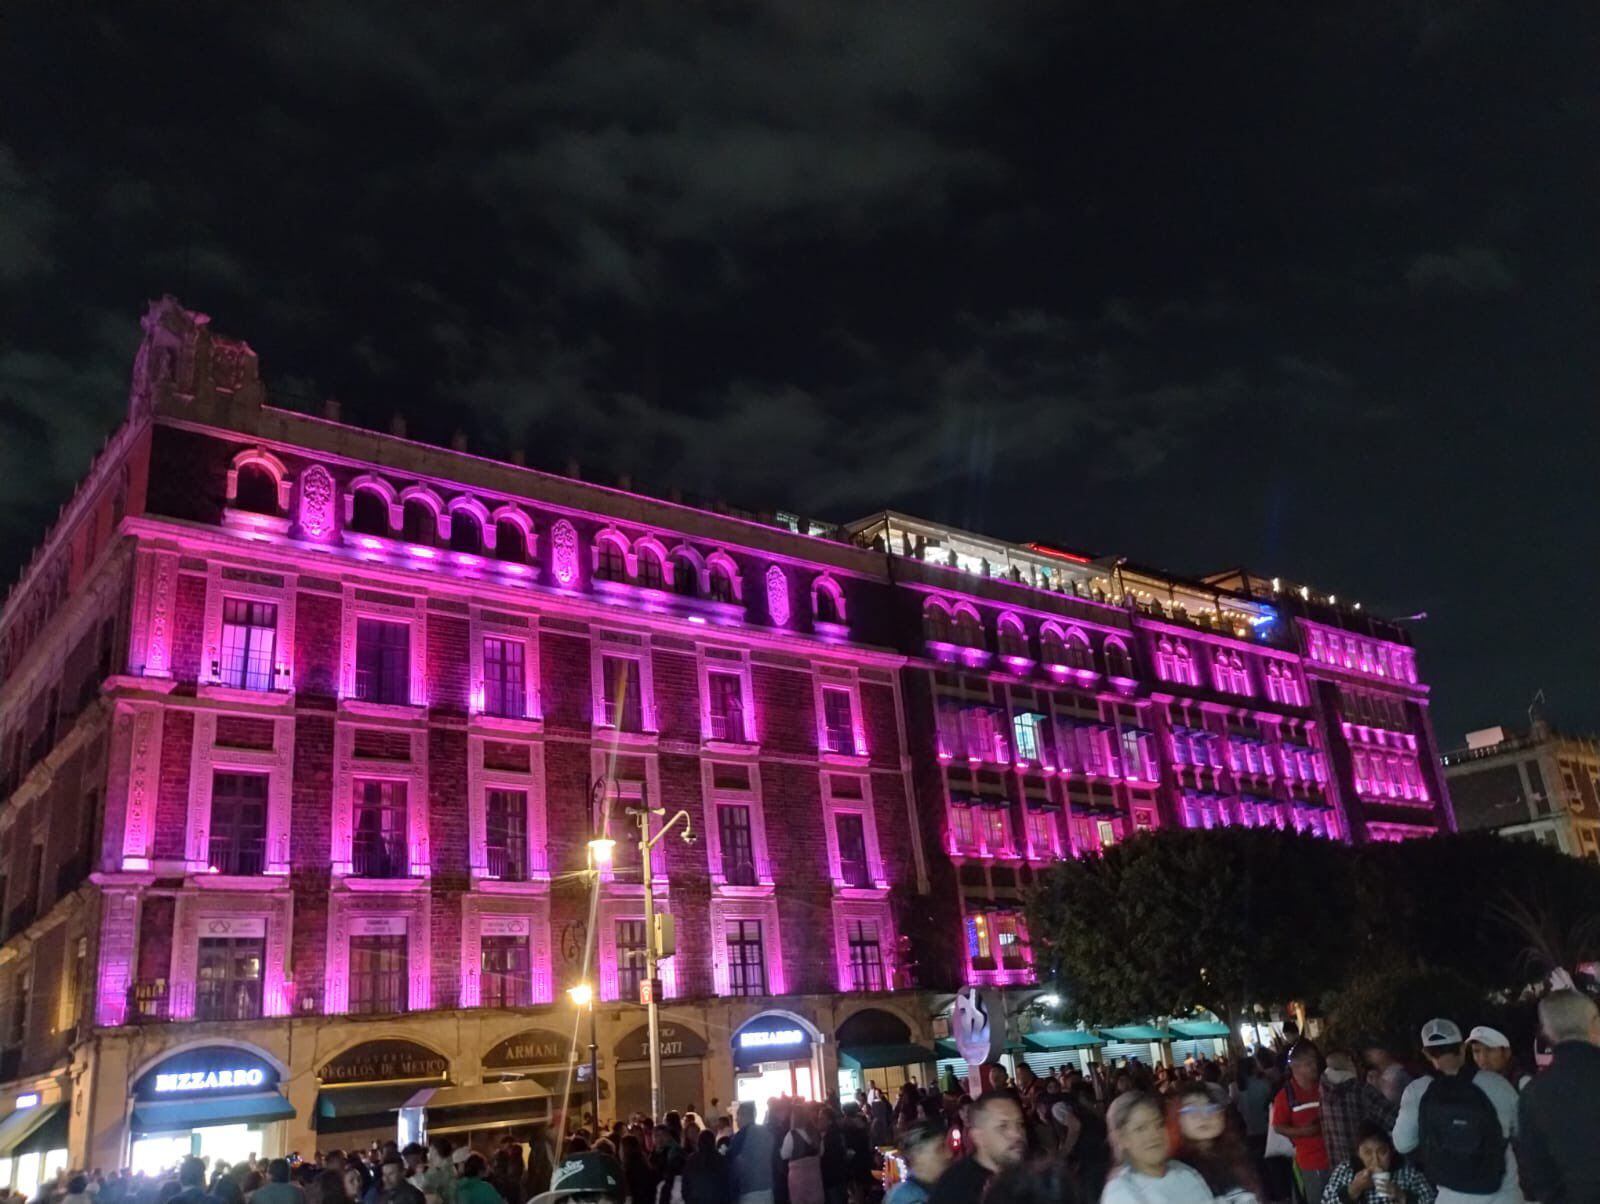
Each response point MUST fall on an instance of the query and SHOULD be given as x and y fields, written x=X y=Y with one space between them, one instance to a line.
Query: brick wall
x=188 y=627
x=449 y=665
x=447 y=806
x=316 y=645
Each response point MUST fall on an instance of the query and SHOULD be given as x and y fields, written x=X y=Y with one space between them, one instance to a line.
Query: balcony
x=506 y=864
x=244 y=858
x=727 y=726
x=739 y=873
x=153 y=999
x=379 y=857
x=239 y=1000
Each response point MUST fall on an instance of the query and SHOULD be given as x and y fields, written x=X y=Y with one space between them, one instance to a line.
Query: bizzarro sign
x=211 y=1070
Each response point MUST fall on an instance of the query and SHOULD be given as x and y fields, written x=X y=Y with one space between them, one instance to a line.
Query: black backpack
x=1462 y=1146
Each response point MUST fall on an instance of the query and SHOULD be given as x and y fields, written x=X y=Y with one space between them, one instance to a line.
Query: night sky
x=1306 y=287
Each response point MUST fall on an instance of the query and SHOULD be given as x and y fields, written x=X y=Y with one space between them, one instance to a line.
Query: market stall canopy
x=1052 y=1040
x=1195 y=1030
x=1136 y=1032
x=875 y=1057
x=483 y=1105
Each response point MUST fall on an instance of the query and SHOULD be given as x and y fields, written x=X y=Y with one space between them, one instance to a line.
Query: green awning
x=160 y=1116
x=1194 y=1030
x=1136 y=1032
x=344 y=1109
x=876 y=1057
x=1053 y=1040
x=944 y=1047
x=23 y=1124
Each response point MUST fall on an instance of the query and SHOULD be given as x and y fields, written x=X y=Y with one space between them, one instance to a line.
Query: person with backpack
x=1297 y=1114
x=1460 y=1123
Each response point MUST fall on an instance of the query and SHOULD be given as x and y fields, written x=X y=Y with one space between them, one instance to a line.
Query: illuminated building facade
x=300 y=724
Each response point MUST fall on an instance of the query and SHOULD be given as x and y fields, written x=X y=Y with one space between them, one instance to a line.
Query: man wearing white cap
x=1460 y=1123
x=1491 y=1050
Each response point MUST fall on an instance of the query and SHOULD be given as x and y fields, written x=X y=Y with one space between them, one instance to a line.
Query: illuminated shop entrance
x=774 y=1055
x=217 y=1102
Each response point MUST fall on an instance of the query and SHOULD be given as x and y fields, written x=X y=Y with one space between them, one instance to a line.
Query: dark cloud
x=1304 y=288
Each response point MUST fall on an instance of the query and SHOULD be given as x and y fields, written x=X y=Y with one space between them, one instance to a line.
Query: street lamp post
x=647 y=843
x=582 y=995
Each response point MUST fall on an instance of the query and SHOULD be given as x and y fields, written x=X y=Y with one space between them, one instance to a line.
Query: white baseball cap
x=1440 y=1032
x=1492 y=1037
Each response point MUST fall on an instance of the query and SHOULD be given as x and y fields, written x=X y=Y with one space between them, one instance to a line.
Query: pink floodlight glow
x=418 y=550
x=698 y=620
x=368 y=541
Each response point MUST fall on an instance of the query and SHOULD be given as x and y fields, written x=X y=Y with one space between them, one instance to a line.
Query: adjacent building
x=1539 y=784
x=304 y=730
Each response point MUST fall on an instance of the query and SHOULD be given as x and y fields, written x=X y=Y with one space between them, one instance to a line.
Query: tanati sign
x=677 y=1041
x=384 y=1061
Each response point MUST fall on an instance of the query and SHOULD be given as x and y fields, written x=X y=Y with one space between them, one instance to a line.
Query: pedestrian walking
x=1558 y=1137
x=1460 y=1123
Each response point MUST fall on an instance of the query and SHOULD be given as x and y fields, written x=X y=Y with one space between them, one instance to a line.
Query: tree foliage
x=1235 y=918
x=1388 y=1005
x=1176 y=920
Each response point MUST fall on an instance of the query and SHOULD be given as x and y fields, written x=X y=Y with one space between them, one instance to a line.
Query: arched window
x=510 y=541
x=1052 y=646
x=685 y=576
x=651 y=573
x=827 y=605
x=722 y=583
x=1183 y=664
x=969 y=628
x=257 y=490
x=420 y=524
x=1079 y=654
x=466 y=532
x=1013 y=640
x=936 y=624
x=611 y=563
x=1118 y=662
x=1166 y=668
x=369 y=513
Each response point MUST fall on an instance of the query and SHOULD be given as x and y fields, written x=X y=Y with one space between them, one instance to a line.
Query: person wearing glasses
x=1208 y=1140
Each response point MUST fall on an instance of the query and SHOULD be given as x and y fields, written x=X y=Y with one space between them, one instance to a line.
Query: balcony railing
x=379 y=858
x=728 y=725
x=841 y=739
x=245 y=858
x=740 y=873
x=506 y=864
x=228 y=1000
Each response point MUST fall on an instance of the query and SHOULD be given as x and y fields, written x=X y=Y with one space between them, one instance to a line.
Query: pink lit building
x=300 y=724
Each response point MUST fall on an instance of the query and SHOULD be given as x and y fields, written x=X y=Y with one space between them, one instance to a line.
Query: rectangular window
x=505 y=682
x=378 y=838
x=238 y=823
x=747 y=966
x=506 y=834
x=851 y=833
x=383 y=661
x=978 y=948
x=249 y=642
x=838 y=720
x=963 y=834
x=1013 y=946
x=738 y=851
x=228 y=978
x=1107 y=831
x=866 y=956
x=1025 y=730
x=630 y=959
x=378 y=974
x=993 y=820
x=725 y=704
x=506 y=972
x=1042 y=833
x=624 y=708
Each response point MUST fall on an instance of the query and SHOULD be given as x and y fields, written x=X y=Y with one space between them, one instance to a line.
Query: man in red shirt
x=1297 y=1114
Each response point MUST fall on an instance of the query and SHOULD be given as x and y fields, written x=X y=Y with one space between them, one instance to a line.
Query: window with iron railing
x=631 y=966
x=238 y=823
x=838 y=718
x=747 y=967
x=623 y=703
x=383 y=661
x=725 y=705
x=851 y=833
x=734 y=840
x=506 y=834
x=505 y=682
x=249 y=644
x=378 y=838
x=1013 y=942
x=506 y=979
x=866 y=956
x=228 y=978
x=378 y=974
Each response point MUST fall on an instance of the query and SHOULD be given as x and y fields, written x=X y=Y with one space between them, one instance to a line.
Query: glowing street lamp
x=581 y=995
x=601 y=850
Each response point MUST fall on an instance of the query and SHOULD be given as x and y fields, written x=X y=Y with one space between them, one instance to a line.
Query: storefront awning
x=342 y=1109
x=1054 y=1040
x=1136 y=1032
x=165 y=1115
x=1194 y=1030
x=20 y=1126
x=484 y=1105
x=875 y=1057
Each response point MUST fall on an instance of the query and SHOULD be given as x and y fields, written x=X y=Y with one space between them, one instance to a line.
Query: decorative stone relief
x=144 y=767
x=778 y=596
x=564 y=553
x=316 y=503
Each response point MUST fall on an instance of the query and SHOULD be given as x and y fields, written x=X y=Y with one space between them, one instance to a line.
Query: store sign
x=535 y=1047
x=378 y=925
x=31 y=1100
x=677 y=1041
x=771 y=1037
x=492 y=925
x=234 y=926
x=383 y=1061
x=210 y=1080
x=211 y=1070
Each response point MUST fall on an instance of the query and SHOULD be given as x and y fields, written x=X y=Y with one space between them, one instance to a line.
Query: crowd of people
x=1290 y=1124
